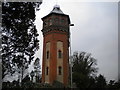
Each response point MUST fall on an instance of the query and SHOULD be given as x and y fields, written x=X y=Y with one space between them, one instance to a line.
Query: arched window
x=59 y=70
x=47 y=54
x=59 y=54
x=47 y=70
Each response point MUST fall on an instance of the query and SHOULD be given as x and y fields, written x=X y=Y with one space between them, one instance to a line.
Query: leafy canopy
x=19 y=36
x=84 y=69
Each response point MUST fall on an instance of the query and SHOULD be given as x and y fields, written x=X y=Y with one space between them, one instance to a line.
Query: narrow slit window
x=60 y=70
x=59 y=54
x=47 y=71
x=50 y=21
x=47 y=54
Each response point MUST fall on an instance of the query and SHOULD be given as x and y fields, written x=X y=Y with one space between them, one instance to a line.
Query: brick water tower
x=55 y=64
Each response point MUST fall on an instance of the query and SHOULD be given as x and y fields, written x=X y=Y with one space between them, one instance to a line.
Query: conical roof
x=57 y=10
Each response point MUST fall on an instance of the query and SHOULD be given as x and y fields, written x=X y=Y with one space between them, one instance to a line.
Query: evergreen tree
x=37 y=69
x=19 y=36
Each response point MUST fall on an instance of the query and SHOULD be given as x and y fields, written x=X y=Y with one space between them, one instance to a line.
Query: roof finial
x=56 y=9
x=56 y=2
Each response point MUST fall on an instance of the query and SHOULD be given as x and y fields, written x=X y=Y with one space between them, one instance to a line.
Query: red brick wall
x=53 y=38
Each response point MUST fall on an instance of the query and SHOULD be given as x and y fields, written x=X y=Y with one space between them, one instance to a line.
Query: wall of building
x=47 y=62
x=58 y=41
x=60 y=61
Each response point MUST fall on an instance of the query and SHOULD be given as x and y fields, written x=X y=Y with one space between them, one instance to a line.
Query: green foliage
x=84 y=73
x=19 y=36
x=84 y=69
x=25 y=85
x=113 y=84
x=37 y=69
x=92 y=83
x=26 y=79
x=101 y=81
x=57 y=84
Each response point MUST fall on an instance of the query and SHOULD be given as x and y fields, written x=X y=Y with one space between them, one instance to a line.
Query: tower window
x=50 y=21
x=47 y=70
x=59 y=54
x=47 y=54
x=59 y=70
x=63 y=21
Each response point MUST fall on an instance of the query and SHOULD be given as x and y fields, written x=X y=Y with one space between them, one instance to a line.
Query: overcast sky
x=95 y=30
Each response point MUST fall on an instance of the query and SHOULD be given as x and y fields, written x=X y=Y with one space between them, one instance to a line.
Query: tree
x=101 y=81
x=32 y=75
x=37 y=69
x=19 y=36
x=84 y=69
x=58 y=84
x=117 y=84
x=114 y=84
x=26 y=79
